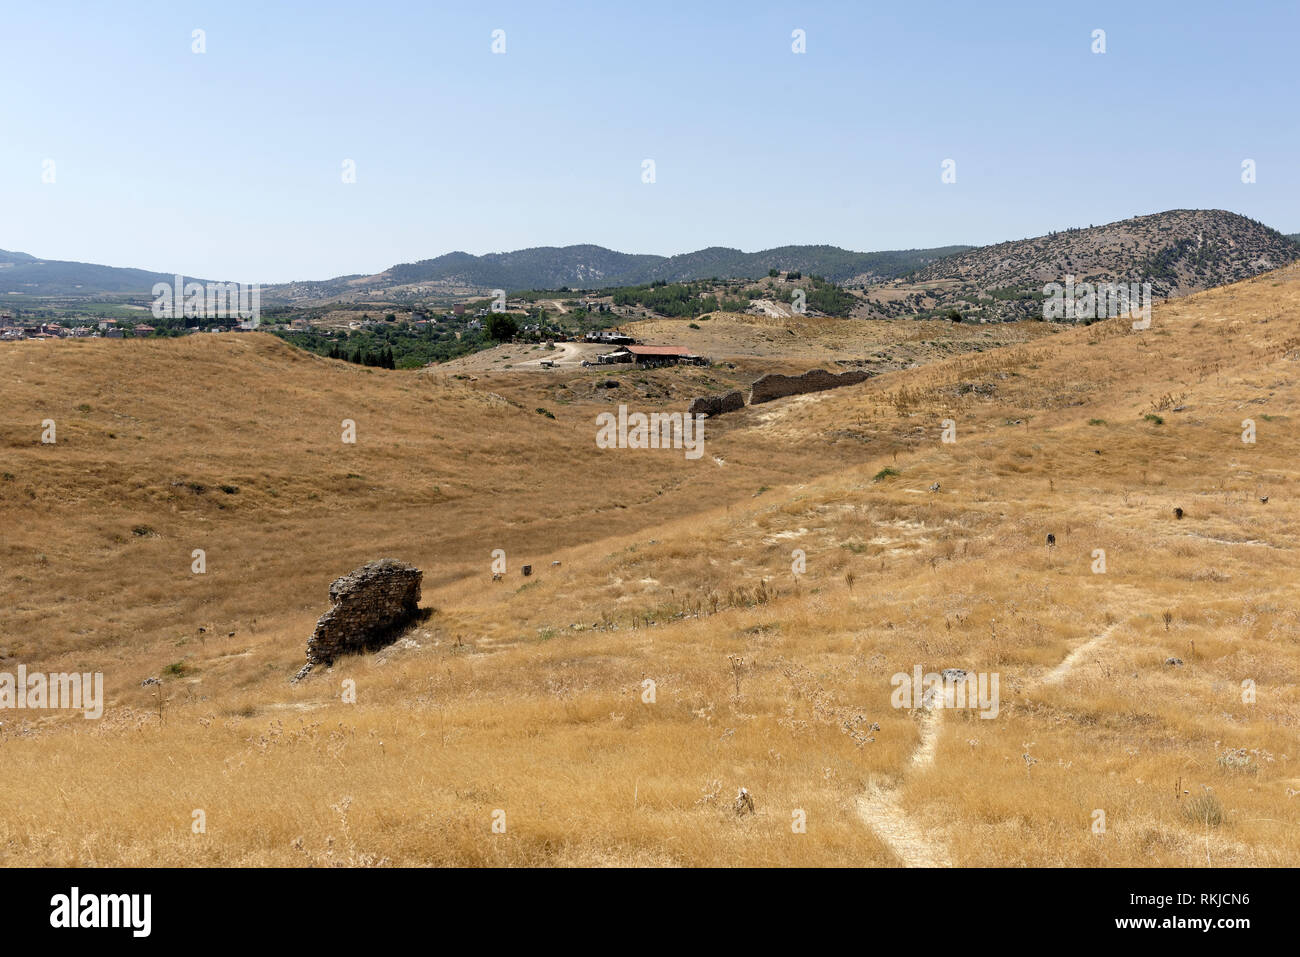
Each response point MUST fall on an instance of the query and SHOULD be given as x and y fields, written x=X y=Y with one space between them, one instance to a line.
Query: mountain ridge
x=32 y=276
x=590 y=266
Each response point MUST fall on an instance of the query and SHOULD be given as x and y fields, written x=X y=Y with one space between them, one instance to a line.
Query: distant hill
x=829 y=262
x=595 y=267
x=1179 y=252
x=26 y=274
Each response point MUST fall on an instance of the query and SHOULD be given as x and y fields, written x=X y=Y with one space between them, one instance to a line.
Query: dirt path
x=1079 y=654
x=879 y=810
x=878 y=807
x=931 y=721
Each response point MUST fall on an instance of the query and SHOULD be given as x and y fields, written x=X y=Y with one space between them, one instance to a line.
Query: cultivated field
x=529 y=696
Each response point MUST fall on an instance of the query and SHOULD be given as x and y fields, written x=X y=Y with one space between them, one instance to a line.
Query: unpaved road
x=564 y=354
x=518 y=356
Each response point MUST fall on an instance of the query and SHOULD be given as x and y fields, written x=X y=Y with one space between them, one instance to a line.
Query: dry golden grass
x=526 y=696
x=809 y=340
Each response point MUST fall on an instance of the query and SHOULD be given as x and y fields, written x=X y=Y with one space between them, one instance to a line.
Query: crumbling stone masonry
x=370 y=607
x=717 y=404
x=769 y=387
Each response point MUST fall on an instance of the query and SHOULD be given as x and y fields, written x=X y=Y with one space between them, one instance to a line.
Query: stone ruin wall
x=370 y=605
x=717 y=404
x=774 y=386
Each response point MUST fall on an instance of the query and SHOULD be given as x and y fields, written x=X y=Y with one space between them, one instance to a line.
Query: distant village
x=11 y=329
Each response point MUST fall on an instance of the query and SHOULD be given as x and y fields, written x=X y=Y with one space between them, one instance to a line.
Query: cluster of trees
x=1200 y=257
x=691 y=299
x=380 y=359
x=400 y=346
x=680 y=300
x=823 y=296
x=501 y=327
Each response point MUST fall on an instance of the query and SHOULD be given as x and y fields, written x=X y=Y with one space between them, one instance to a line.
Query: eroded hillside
x=1121 y=690
x=1178 y=252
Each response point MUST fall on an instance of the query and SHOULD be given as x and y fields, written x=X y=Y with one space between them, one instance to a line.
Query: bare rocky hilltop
x=1180 y=251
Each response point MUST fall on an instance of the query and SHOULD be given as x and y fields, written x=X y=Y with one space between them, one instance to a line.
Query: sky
x=230 y=163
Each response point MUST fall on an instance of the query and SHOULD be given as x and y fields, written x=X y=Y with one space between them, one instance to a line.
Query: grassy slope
x=675 y=571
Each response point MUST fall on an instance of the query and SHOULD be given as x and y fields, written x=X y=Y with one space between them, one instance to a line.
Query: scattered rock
x=744 y=803
x=984 y=389
x=1176 y=662
x=149 y=681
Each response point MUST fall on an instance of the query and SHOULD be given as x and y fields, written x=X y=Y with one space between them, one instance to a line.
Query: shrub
x=1204 y=809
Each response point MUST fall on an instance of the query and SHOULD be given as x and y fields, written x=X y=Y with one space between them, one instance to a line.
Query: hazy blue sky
x=227 y=165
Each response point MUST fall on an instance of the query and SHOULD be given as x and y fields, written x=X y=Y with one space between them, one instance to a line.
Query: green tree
x=501 y=327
